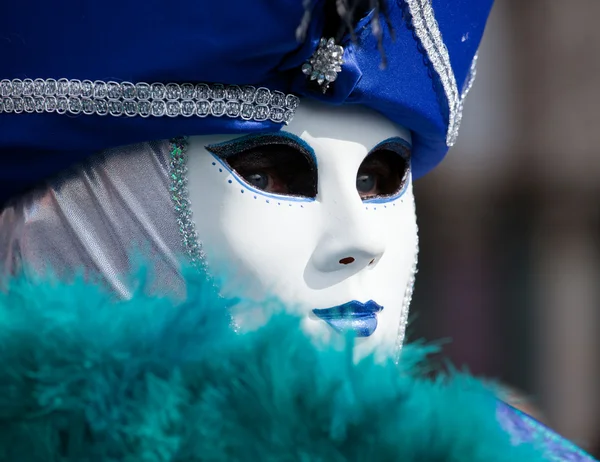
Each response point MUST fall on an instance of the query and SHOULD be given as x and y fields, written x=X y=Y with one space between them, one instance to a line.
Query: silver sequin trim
x=408 y=294
x=181 y=203
x=428 y=32
x=467 y=89
x=471 y=77
x=145 y=100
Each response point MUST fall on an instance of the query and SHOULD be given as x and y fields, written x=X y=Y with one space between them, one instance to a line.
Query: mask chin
x=321 y=250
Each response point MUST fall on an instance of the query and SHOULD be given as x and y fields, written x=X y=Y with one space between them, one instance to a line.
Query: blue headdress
x=82 y=77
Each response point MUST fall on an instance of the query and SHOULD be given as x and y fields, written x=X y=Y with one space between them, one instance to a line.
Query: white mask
x=336 y=248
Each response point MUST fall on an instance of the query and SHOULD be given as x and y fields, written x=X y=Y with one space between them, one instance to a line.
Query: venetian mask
x=320 y=215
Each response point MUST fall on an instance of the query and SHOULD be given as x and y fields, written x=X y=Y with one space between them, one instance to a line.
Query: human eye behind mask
x=273 y=164
x=286 y=165
x=385 y=171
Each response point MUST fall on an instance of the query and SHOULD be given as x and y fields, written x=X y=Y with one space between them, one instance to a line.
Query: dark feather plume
x=342 y=16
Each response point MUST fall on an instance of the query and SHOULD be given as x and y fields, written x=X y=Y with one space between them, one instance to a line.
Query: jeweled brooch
x=325 y=63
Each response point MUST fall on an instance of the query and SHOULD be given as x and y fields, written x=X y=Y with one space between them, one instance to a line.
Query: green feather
x=88 y=378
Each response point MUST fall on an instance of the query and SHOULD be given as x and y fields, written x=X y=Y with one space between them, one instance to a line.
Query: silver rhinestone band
x=145 y=100
x=428 y=31
x=467 y=88
x=408 y=294
x=181 y=203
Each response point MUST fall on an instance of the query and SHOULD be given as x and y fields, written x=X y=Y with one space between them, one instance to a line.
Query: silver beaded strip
x=181 y=203
x=470 y=77
x=467 y=89
x=408 y=294
x=183 y=209
x=145 y=100
x=428 y=31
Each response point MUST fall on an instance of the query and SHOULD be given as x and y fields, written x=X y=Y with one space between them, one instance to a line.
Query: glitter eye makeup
x=281 y=164
x=384 y=173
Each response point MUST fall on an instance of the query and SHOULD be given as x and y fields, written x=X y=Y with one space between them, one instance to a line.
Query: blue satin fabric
x=525 y=429
x=236 y=42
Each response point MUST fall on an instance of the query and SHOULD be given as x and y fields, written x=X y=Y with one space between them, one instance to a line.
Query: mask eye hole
x=384 y=172
x=273 y=164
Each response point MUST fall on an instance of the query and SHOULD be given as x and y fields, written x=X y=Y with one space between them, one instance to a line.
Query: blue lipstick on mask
x=354 y=316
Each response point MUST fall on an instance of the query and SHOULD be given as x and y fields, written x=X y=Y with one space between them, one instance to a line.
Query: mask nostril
x=371 y=262
x=346 y=261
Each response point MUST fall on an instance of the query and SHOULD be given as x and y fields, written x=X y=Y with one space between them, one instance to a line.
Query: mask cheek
x=265 y=246
x=390 y=281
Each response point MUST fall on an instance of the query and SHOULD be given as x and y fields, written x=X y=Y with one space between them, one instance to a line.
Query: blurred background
x=509 y=223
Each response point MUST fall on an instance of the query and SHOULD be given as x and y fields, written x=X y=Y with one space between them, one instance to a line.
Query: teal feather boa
x=85 y=378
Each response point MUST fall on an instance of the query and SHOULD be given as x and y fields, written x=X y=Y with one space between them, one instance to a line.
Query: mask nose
x=347 y=253
x=350 y=239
